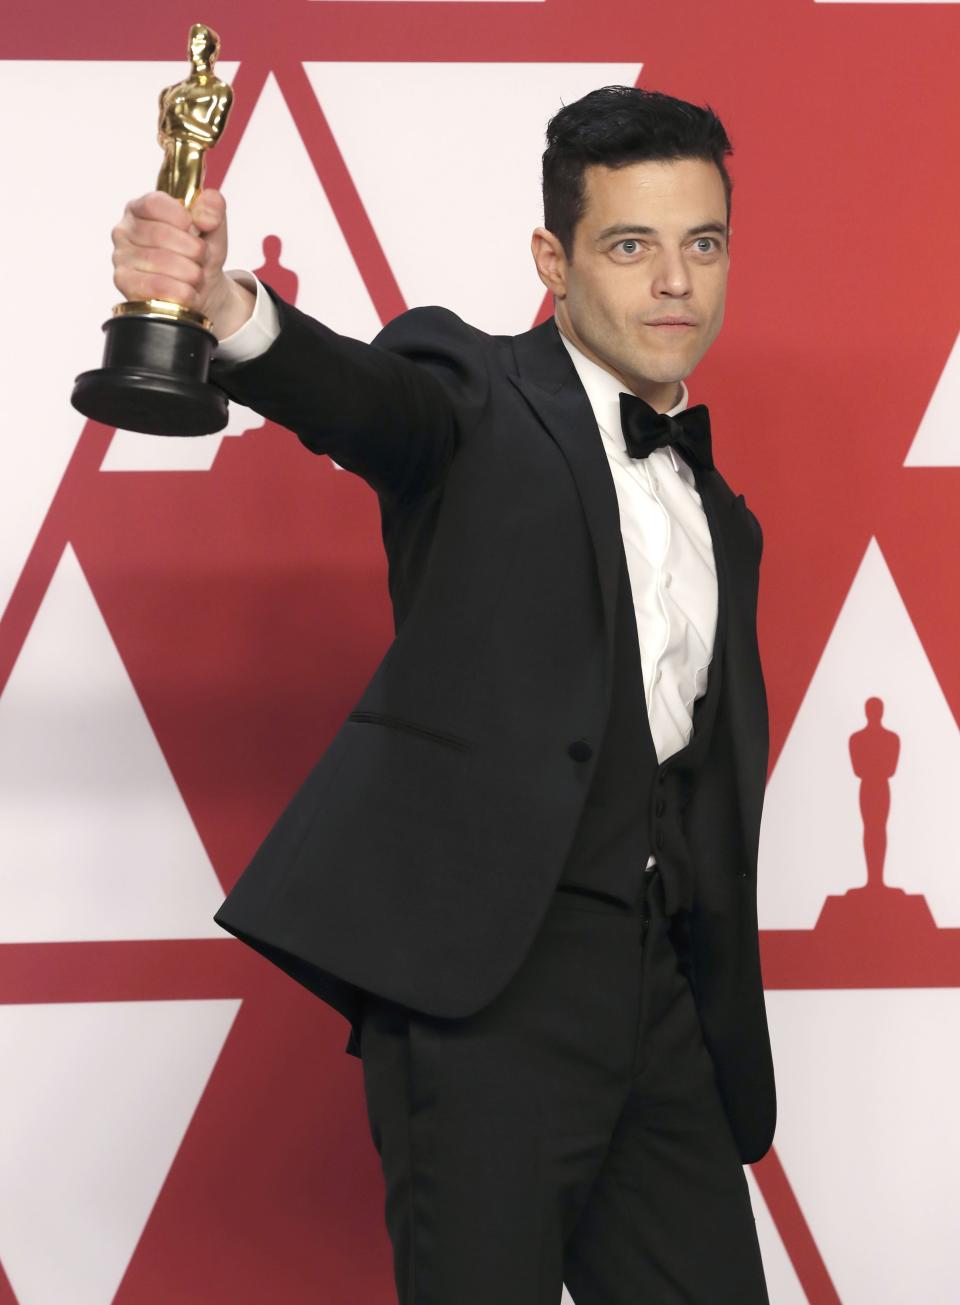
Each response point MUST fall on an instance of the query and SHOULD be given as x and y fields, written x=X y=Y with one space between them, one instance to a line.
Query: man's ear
x=550 y=260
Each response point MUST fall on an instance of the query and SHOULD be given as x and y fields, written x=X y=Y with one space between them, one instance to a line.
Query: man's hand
x=162 y=250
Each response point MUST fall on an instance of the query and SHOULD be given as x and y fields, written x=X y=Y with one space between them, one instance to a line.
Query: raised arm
x=391 y=411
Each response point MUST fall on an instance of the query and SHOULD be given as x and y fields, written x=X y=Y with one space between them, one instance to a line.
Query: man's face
x=652 y=244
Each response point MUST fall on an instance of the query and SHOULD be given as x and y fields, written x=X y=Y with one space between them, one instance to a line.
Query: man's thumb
x=208 y=210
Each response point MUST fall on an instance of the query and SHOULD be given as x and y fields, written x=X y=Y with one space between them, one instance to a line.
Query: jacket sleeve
x=391 y=411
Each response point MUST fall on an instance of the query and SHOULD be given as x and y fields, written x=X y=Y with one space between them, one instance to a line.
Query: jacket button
x=661 y=806
x=580 y=750
x=659 y=838
x=662 y=777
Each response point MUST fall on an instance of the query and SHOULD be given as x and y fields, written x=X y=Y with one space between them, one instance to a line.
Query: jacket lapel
x=548 y=380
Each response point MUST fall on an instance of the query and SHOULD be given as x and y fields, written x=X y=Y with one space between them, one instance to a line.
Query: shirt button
x=667 y=577
x=656 y=678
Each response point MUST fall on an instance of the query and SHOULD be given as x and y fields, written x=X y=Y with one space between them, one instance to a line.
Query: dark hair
x=615 y=126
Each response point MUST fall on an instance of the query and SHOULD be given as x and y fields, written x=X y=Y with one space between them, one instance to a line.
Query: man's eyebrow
x=633 y=229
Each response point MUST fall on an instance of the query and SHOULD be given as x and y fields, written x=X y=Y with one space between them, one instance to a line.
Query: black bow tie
x=645 y=429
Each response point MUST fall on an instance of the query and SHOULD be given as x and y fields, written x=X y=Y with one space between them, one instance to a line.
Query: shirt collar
x=604 y=390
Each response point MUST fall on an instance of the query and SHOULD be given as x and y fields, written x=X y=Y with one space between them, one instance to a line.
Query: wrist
x=231 y=309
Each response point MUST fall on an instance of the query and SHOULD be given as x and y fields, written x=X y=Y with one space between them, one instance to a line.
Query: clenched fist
x=162 y=250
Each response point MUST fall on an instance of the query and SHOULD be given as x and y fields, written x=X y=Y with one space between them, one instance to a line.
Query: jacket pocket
x=411 y=727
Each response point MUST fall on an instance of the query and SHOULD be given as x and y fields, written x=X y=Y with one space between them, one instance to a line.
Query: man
x=525 y=868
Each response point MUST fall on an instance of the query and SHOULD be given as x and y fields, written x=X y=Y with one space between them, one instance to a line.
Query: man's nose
x=671 y=275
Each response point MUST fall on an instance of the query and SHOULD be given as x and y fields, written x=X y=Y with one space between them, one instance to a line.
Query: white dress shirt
x=258 y=332
x=670 y=561
x=666 y=539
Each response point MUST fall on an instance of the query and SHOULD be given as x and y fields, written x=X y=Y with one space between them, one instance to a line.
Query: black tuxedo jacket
x=420 y=854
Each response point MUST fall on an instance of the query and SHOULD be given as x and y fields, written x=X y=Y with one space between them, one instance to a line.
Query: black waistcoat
x=635 y=804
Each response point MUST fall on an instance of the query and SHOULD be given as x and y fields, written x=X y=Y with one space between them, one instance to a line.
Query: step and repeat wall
x=184 y=624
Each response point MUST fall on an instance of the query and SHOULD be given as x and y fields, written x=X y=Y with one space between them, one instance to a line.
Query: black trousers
x=571 y=1131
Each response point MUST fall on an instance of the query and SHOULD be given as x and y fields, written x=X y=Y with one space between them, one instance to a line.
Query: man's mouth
x=672 y=323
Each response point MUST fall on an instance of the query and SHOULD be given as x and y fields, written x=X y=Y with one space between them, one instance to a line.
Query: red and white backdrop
x=186 y=623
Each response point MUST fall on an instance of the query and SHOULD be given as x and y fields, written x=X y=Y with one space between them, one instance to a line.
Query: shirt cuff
x=258 y=332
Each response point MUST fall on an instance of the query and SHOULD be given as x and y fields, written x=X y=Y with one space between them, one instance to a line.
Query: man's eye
x=710 y=241
x=628 y=246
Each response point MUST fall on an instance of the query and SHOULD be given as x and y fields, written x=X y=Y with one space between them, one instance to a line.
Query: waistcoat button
x=661 y=806
x=659 y=838
x=580 y=750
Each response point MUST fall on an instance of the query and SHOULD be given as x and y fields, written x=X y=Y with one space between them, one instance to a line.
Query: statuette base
x=162 y=308
x=154 y=376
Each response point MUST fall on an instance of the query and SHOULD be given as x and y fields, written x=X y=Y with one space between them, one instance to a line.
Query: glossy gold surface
x=193 y=114
x=161 y=308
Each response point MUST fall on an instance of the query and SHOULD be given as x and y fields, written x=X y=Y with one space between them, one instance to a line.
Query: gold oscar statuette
x=157 y=353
